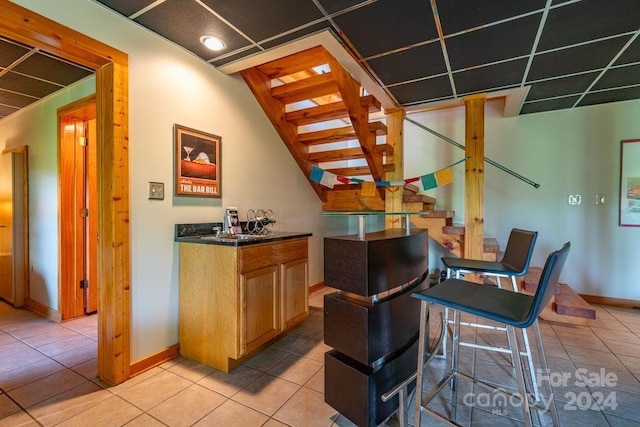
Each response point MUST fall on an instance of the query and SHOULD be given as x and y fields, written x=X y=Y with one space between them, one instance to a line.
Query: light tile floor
x=48 y=377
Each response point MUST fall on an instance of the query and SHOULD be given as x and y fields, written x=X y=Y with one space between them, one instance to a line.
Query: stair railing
x=486 y=159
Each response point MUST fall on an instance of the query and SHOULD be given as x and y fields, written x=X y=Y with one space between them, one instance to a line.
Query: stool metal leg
x=422 y=338
x=524 y=400
x=545 y=370
x=527 y=350
x=455 y=349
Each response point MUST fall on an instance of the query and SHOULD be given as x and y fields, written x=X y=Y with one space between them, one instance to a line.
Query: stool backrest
x=519 y=249
x=548 y=282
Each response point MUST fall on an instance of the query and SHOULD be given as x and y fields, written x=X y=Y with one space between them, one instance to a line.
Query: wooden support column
x=393 y=198
x=114 y=335
x=474 y=177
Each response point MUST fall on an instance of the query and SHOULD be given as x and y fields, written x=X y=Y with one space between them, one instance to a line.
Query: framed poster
x=629 y=183
x=197 y=163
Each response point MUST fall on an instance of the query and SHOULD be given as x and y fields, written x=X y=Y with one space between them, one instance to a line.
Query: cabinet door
x=294 y=291
x=259 y=307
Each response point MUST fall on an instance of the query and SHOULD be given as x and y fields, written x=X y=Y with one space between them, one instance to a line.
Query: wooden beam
x=25 y=26
x=260 y=85
x=35 y=30
x=114 y=339
x=474 y=177
x=394 y=196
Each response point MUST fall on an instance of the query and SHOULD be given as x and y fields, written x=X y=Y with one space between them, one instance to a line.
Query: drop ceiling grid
x=557 y=47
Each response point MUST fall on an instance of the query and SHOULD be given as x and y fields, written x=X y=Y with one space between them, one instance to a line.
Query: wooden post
x=393 y=198
x=474 y=178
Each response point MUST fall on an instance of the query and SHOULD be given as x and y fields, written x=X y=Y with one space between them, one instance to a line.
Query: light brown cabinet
x=236 y=299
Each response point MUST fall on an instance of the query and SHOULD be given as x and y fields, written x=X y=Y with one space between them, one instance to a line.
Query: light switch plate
x=156 y=190
x=574 y=199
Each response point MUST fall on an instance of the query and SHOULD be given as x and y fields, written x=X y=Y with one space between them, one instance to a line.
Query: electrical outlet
x=574 y=199
x=156 y=191
x=600 y=199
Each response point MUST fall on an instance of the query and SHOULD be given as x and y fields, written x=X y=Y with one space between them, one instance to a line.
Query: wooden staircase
x=313 y=102
x=440 y=224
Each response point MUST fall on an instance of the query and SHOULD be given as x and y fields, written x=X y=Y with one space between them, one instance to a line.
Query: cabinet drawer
x=262 y=255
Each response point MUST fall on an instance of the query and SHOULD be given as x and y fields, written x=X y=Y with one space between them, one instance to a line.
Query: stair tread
x=346 y=154
x=300 y=90
x=438 y=214
x=337 y=134
x=331 y=111
x=418 y=198
x=411 y=189
x=357 y=170
x=294 y=63
x=566 y=301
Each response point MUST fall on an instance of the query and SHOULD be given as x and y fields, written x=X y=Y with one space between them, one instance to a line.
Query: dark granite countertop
x=203 y=233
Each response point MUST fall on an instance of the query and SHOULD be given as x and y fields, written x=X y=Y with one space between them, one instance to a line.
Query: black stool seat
x=476 y=265
x=488 y=302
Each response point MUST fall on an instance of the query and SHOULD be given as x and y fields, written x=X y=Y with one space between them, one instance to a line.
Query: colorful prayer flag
x=368 y=188
x=429 y=181
x=444 y=177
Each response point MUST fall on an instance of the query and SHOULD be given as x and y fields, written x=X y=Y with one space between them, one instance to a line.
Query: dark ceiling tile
x=592 y=56
x=26 y=85
x=261 y=19
x=333 y=6
x=126 y=7
x=458 y=15
x=561 y=86
x=631 y=54
x=620 y=76
x=587 y=20
x=423 y=90
x=231 y=58
x=9 y=52
x=184 y=22
x=549 y=105
x=490 y=77
x=388 y=25
x=615 y=95
x=51 y=69
x=6 y=110
x=298 y=34
x=495 y=43
x=15 y=99
x=421 y=61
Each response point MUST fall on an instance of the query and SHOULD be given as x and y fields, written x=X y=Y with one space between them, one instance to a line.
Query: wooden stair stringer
x=350 y=91
x=260 y=85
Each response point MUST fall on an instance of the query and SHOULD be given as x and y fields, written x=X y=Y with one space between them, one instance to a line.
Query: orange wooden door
x=78 y=212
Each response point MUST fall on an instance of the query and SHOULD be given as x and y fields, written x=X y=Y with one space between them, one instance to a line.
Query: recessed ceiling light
x=212 y=42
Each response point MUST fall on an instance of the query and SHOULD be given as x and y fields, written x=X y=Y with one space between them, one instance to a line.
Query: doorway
x=78 y=209
x=112 y=90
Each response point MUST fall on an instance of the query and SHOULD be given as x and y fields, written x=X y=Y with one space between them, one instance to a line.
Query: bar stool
x=514 y=310
x=514 y=263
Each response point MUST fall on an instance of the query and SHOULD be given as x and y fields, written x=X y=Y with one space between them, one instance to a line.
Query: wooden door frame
x=112 y=122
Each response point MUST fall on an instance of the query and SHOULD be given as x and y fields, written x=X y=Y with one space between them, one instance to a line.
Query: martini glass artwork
x=188 y=150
